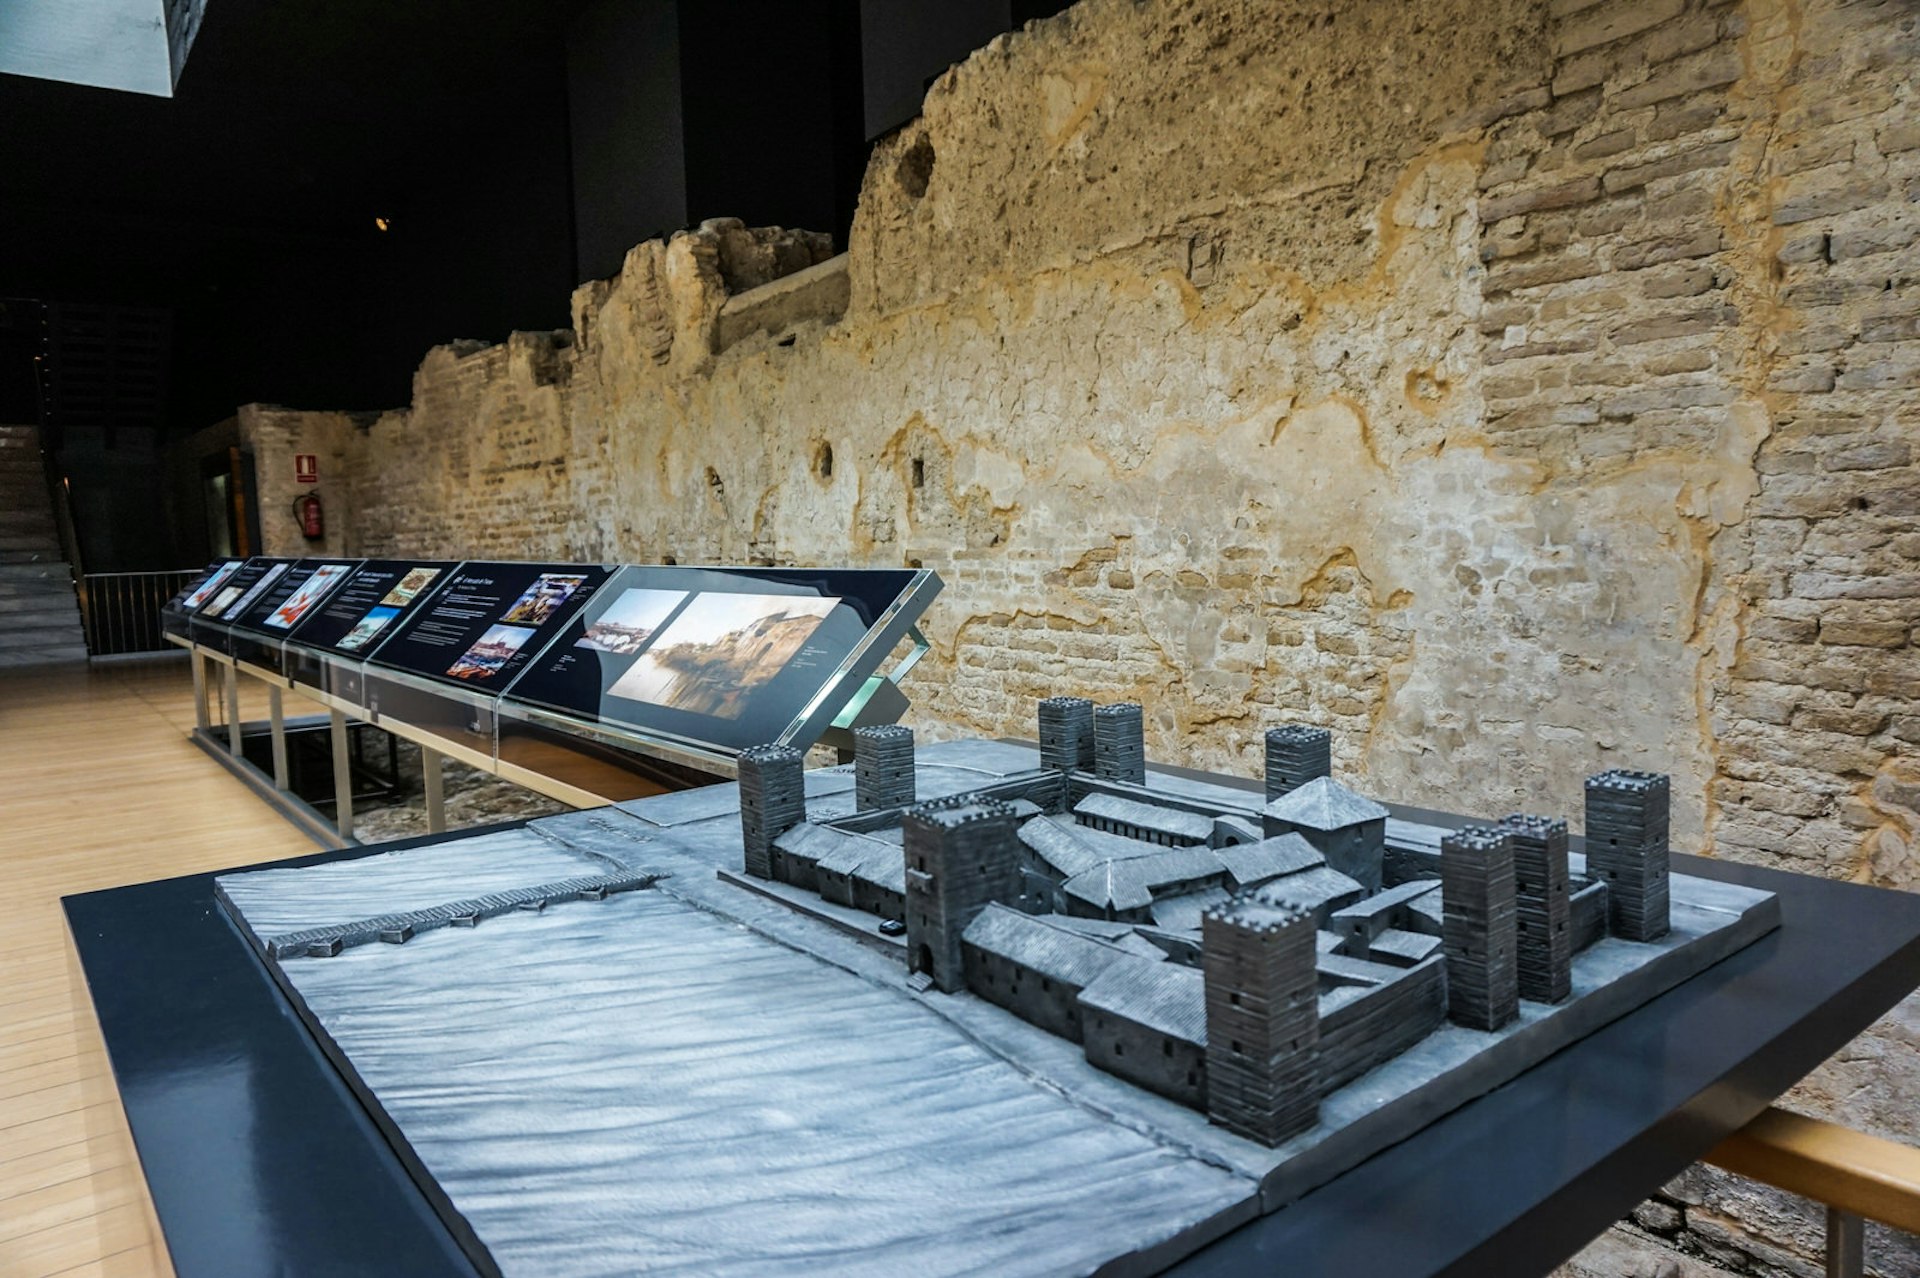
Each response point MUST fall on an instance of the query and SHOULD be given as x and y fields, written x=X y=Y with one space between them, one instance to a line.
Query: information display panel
x=326 y=647
x=488 y=621
x=234 y=596
x=177 y=611
x=192 y=588
x=724 y=657
x=258 y=634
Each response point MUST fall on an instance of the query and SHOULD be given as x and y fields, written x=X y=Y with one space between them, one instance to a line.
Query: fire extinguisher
x=306 y=509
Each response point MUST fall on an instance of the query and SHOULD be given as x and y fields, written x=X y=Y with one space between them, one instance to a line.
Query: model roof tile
x=1146 y=816
x=1129 y=885
x=1320 y=890
x=1164 y=997
x=1059 y=847
x=1325 y=804
x=1251 y=864
x=1067 y=956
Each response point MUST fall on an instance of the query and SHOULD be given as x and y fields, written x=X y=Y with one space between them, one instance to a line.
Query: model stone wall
x=1520 y=388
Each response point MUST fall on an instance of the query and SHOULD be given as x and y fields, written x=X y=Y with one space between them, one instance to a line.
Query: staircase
x=39 y=617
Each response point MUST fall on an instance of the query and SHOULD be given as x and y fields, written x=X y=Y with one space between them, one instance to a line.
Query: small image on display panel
x=220 y=601
x=715 y=654
x=485 y=621
x=543 y=598
x=492 y=651
x=416 y=580
x=634 y=618
x=366 y=628
x=267 y=578
x=214 y=580
x=310 y=592
x=363 y=609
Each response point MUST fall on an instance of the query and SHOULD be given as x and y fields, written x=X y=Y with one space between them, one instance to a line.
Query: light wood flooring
x=99 y=786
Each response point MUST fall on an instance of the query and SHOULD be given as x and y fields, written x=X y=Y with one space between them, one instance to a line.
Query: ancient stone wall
x=1519 y=387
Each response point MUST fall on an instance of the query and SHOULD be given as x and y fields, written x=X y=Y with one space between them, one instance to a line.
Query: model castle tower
x=1263 y=1019
x=1296 y=754
x=1478 y=927
x=1119 y=743
x=961 y=854
x=1066 y=734
x=1627 y=817
x=882 y=767
x=1542 y=907
x=773 y=799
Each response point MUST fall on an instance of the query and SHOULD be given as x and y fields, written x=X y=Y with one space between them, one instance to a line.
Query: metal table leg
x=433 y=770
x=342 y=774
x=233 y=712
x=1846 y=1244
x=276 y=716
x=201 y=719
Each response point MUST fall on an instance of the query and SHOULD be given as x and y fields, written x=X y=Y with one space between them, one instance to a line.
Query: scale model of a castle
x=1246 y=970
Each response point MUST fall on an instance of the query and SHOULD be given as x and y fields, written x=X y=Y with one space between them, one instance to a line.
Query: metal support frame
x=342 y=774
x=201 y=719
x=277 y=725
x=1846 y=1244
x=433 y=773
x=1859 y=1177
x=234 y=746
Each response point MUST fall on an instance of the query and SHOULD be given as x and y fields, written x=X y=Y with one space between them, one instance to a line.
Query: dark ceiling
x=513 y=147
x=246 y=204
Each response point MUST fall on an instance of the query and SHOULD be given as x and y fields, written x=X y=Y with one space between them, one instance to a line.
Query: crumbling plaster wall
x=1519 y=387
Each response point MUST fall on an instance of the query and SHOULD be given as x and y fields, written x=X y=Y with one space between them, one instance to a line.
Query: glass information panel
x=488 y=620
x=177 y=612
x=727 y=657
x=242 y=586
x=359 y=614
x=204 y=589
x=299 y=590
x=211 y=626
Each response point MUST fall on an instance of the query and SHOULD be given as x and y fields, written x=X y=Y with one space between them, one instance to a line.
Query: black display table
x=261 y=1160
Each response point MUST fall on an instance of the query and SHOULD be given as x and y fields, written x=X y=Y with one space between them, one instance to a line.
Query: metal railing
x=1858 y=1177
x=121 y=610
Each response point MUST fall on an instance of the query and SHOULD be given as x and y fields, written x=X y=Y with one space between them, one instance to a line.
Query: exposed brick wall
x=1520 y=387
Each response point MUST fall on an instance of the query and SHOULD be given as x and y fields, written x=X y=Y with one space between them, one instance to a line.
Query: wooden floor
x=99 y=786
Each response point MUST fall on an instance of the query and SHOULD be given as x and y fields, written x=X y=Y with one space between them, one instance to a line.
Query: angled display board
x=259 y=634
x=178 y=611
x=455 y=652
x=327 y=646
x=488 y=620
x=175 y=613
x=719 y=659
x=193 y=587
x=241 y=589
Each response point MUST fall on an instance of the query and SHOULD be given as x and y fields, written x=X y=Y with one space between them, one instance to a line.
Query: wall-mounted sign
x=306 y=468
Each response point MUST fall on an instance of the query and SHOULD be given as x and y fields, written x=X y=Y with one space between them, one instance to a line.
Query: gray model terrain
x=969 y=1007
